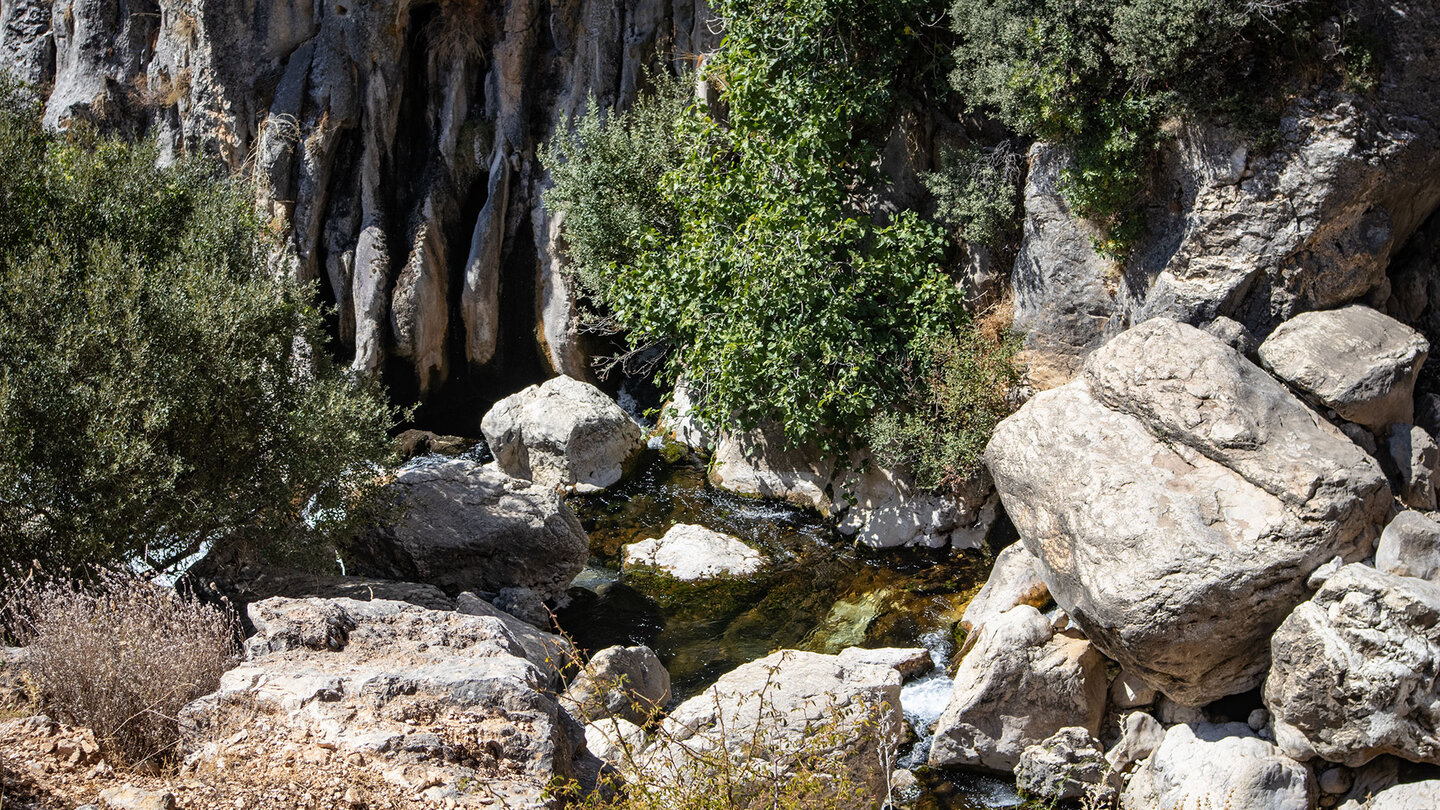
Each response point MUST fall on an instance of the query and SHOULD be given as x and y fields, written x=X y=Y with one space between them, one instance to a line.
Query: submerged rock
x=1224 y=765
x=563 y=433
x=1018 y=684
x=1354 y=672
x=1356 y=361
x=468 y=527
x=691 y=553
x=1177 y=497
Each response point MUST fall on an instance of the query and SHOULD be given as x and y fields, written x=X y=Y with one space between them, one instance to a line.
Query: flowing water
x=818 y=593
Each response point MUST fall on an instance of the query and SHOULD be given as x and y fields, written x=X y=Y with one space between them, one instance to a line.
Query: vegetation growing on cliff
x=1103 y=77
x=157 y=388
x=745 y=241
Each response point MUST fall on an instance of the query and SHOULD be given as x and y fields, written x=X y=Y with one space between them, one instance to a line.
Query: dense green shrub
x=157 y=389
x=977 y=191
x=1101 y=77
x=753 y=257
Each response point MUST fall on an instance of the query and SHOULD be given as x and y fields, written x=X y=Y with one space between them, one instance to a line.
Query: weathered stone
x=563 y=433
x=541 y=647
x=1140 y=735
x=442 y=697
x=615 y=740
x=1014 y=580
x=129 y=797
x=625 y=682
x=1410 y=547
x=1222 y=764
x=690 y=553
x=1067 y=765
x=679 y=422
x=1017 y=685
x=1234 y=334
x=1413 y=458
x=1179 y=556
x=1354 y=360
x=767 y=711
x=910 y=662
x=1354 y=672
x=1410 y=796
x=1130 y=692
x=759 y=464
x=464 y=526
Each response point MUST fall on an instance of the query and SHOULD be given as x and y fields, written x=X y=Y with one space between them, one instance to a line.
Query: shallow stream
x=818 y=593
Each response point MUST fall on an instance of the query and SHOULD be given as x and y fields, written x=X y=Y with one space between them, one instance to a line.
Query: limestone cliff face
x=394 y=141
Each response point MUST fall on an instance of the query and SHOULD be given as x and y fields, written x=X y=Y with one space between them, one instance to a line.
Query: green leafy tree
x=754 y=256
x=159 y=389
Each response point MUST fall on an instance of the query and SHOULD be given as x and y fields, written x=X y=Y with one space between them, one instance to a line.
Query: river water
x=818 y=593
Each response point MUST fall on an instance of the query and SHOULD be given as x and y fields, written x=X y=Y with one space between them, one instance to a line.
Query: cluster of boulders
x=1245 y=539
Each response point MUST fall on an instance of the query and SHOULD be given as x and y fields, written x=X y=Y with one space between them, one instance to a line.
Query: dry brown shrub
x=119 y=655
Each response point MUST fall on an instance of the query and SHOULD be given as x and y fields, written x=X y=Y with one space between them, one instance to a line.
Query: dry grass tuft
x=120 y=656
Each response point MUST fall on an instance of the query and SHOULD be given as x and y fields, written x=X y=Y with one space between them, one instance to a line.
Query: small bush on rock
x=120 y=656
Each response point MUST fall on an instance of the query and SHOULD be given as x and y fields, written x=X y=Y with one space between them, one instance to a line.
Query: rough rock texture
x=878 y=507
x=1358 y=362
x=678 y=422
x=1130 y=692
x=1068 y=765
x=1014 y=580
x=562 y=433
x=1412 y=796
x=1140 y=735
x=1413 y=465
x=468 y=527
x=1017 y=685
x=788 y=701
x=615 y=740
x=394 y=140
x=126 y=797
x=1355 y=670
x=1257 y=236
x=625 y=682
x=1220 y=766
x=690 y=553
x=1410 y=547
x=432 y=700
x=1178 y=557
x=910 y=662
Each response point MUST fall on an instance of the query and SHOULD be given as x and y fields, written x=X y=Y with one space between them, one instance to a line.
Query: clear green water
x=819 y=593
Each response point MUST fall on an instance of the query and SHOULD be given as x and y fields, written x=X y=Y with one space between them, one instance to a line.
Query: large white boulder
x=1019 y=683
x=1014 y=579
x=1218 y=766
x=689 y=552
x=1177 y=497
x=625 y=682
x=1358 y=362
x=1410 y=547
x=1355 y=670
x=562 y=433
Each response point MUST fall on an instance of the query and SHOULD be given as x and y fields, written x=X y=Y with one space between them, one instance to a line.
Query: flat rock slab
x=1354 y=360
x=1176 y=497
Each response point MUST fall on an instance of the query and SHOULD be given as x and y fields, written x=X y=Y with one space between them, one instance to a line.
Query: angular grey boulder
x=1355 y=670
x=625 y=682
x=1410 y=547
x=1411 y=796
x=469 y=527
x=1413 y=458
x=1221 y=766
x=1068 y=765
x=1177 y=497
x=1018 y=684
x=1014 y=580
x=1354 y=360
x=563 y=433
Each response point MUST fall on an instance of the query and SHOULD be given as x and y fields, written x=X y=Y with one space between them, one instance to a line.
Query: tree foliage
x=755 y=258
x=158 y=389
x=1101 y=77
